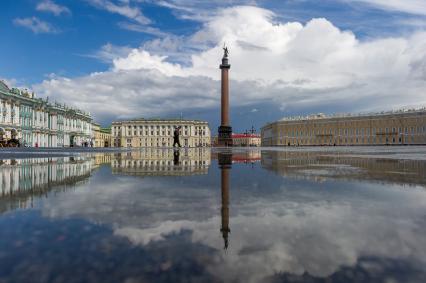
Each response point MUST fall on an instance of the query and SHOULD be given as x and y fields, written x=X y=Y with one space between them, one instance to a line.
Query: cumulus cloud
x=52 y=7
x=291 y=64
x=35 y=25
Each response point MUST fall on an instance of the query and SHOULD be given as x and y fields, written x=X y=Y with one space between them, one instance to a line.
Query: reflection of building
x=37 y=122
x=401 y=127
x=159 y=133
x=102 y=158
x=101 y=136
x=23 y=178
x=321 y=166
x=225 y=163
x=154 y=161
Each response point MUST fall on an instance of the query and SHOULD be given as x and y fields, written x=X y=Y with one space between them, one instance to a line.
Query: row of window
x=354 y=132
x=116 y=130
x=141 y=163
x=369 y=140
x=157 y=133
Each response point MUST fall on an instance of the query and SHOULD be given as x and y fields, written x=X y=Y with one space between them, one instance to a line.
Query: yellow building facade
x=101 y=136
x=405 y=127
x=159 y=133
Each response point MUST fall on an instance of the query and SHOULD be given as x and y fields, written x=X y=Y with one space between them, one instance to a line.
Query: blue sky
x=62 y=49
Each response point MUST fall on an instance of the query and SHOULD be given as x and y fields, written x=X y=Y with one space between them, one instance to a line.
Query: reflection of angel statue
x=225 y=51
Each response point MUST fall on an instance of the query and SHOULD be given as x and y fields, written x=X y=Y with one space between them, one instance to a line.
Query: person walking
x=176 y=134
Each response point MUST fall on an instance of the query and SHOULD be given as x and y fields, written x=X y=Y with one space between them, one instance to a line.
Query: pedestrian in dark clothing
x=176 y=134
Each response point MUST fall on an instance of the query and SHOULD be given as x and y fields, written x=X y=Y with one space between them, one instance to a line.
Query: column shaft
x=225 y=98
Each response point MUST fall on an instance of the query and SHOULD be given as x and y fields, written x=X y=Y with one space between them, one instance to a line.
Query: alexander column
x=225 y=129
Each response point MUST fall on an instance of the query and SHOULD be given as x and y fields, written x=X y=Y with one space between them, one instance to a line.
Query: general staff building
x=404 y=127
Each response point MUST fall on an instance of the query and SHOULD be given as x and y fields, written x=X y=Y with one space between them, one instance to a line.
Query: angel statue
x=225 y=51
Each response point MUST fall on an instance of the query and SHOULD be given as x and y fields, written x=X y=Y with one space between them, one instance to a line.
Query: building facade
x=404 y=127
x=101 y=136
x=246 y=140
x=241 y=140
x=39 y=123
x=159 y=133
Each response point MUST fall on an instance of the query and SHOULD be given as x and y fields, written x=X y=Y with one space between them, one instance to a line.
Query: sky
x=122 y=59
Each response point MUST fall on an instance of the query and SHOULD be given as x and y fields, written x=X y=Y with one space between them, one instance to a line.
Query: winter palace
x=39 y=123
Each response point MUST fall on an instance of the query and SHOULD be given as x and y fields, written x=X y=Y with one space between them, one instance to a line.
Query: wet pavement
x=329 y=214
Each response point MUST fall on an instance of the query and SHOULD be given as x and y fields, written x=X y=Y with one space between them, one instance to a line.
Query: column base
x=225 y=136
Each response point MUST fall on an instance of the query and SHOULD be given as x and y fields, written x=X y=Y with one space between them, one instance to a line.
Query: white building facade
x=38 y=123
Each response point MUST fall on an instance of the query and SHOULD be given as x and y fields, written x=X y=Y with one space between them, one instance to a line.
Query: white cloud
x=52 y=7
x=123 y=8
x=35 y=25
x=417 y=7
x=197 y=10
x=109 y=52
x=142 y=28
x=289 y=64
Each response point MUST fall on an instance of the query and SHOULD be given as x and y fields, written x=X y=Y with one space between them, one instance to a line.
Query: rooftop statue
x=225 y=51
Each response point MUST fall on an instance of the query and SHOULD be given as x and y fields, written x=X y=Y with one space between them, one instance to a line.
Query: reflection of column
x=225 y=161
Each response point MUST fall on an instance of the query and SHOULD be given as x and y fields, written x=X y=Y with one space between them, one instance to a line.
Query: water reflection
x=225 y=163
x=157 y=162
x=321 y=166
x=23 y=179
x=174 y=225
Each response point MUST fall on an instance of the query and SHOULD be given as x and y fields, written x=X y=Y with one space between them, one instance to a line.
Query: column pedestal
x=225 y=136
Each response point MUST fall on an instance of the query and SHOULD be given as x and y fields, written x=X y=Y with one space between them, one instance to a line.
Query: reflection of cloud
x=316 y=238
x=145 y=236
x=308 y=229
